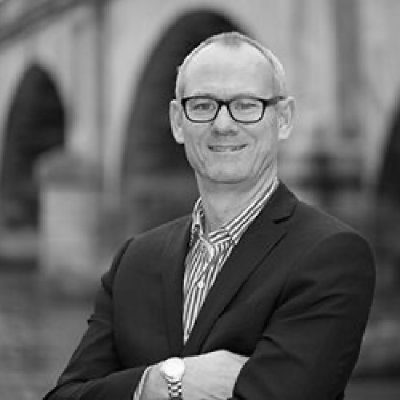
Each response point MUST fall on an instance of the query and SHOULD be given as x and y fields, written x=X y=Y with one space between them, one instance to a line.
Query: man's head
x=230 y=111
x=233 y=39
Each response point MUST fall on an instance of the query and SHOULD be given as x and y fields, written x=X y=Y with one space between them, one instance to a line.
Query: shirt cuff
x=139 y=388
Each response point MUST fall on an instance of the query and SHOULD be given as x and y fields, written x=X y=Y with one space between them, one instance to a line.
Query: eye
x=202 y=105
x=246 y=104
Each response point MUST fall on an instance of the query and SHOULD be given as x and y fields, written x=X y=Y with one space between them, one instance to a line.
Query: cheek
x=193 y=149
x=265 y=147
x=194 y=139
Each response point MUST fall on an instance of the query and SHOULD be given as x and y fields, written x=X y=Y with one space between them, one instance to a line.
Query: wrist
x=172 y=370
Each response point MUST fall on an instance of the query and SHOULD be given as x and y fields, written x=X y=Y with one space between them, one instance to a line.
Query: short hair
x=234 y=39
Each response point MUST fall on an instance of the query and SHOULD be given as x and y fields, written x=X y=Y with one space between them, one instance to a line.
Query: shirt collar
x=234 y=229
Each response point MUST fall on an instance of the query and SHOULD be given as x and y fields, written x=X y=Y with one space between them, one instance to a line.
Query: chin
x=227 y=178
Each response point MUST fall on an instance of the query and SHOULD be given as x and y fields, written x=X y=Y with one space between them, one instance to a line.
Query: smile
x=226 y=148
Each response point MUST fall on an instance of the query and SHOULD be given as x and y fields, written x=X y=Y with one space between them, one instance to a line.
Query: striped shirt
x=208 y=253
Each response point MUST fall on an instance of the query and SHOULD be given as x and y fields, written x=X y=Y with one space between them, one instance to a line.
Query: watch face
x=173 y=369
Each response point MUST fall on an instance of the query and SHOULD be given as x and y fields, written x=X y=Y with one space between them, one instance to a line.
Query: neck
x=222 y=202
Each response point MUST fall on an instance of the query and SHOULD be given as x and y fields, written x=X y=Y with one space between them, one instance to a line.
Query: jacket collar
x=257 y=242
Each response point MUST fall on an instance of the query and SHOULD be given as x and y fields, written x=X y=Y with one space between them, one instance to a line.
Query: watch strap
x=175 y=390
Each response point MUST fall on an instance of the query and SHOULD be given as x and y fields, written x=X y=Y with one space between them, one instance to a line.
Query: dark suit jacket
x=294 y=296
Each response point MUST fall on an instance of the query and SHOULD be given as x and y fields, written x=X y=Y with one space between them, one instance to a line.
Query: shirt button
x=200 y=284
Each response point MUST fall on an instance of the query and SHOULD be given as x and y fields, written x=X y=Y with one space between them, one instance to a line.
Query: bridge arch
x=35 y=125
x=149 y=145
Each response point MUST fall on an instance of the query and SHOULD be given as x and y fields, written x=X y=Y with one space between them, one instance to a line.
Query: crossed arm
x=307 y=350
x=207 y=376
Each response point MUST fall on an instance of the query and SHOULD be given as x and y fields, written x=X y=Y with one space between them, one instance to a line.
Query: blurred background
x=87 y=158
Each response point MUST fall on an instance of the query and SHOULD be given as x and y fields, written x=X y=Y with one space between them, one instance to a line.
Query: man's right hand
x=209 y=376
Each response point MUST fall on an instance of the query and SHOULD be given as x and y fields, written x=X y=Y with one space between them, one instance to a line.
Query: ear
x=175 y=117
x=286 y=112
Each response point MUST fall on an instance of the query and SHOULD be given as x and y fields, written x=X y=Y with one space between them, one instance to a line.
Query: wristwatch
x=172 y=370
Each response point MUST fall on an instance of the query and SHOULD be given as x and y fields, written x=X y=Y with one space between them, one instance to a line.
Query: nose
x=223 y=122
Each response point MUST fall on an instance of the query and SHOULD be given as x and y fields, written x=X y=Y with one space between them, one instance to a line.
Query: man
x=256 y=295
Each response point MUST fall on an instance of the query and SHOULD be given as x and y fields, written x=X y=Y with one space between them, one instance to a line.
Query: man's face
x=224 y=151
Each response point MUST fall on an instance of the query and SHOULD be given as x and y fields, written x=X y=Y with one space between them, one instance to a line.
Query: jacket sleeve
x=311 y=344
x=94 y=371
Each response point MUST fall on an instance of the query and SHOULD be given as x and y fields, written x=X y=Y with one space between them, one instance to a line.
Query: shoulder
x=322 y=242
x=311 y=231
x=300 y=218
x=150 y=245
x=158 y=236
x=138 y=251
x=323 y=255
x=312 y=224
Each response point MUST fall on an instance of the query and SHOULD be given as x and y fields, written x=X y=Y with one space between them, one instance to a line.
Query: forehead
x=229 y=70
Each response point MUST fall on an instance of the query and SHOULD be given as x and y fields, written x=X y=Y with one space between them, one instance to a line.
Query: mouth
x=226 y=148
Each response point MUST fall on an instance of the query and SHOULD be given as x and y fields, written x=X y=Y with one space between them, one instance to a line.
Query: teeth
x=226 y=148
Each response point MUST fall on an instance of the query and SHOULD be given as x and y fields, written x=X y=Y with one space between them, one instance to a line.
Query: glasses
x=244 y=109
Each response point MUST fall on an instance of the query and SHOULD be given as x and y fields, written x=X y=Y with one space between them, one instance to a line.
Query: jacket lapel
x=262 y=235
x=172 y=267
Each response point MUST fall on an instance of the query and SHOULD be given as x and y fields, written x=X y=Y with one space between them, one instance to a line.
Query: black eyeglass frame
x=265 y=102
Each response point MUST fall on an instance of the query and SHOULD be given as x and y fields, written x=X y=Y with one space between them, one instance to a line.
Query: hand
x=154 y=385
x=211 y=375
